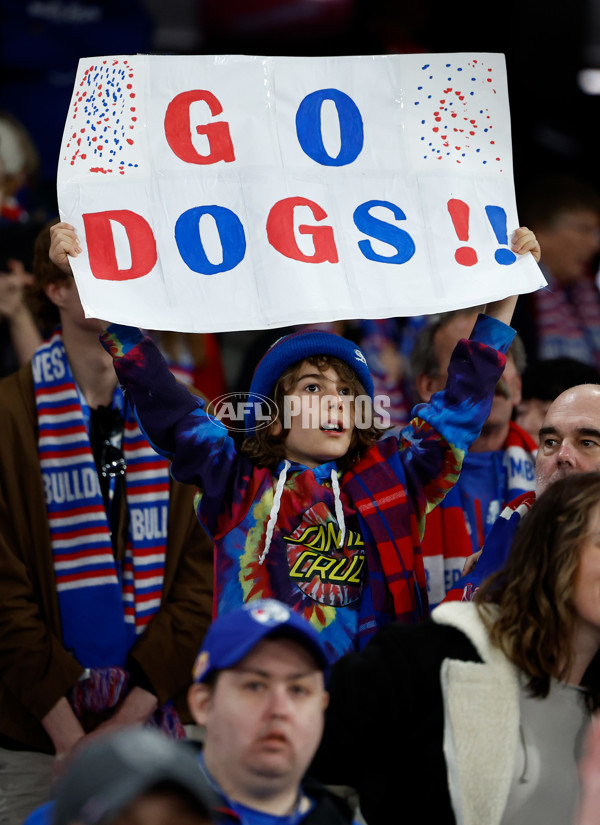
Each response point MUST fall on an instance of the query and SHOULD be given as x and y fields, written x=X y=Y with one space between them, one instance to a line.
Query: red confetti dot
x=466 y=255
x=129 y=141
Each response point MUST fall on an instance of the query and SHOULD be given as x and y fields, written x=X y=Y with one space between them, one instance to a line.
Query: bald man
x=569 y=436
x=569 y=443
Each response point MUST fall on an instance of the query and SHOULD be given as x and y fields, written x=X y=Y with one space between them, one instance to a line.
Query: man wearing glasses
x=106 y=573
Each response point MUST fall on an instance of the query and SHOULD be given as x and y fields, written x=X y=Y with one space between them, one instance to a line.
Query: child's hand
x=63 y=243
x=523 y=240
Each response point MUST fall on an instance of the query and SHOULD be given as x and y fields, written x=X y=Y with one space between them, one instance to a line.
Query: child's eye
x=311 y=388
x=253 y=686
x=345 y=391
x=299 y=690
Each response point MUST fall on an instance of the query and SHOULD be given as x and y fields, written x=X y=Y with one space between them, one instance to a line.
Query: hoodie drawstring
x=274 y=510
x=339 y=510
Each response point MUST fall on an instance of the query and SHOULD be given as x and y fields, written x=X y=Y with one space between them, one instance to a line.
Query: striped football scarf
x=103 y=605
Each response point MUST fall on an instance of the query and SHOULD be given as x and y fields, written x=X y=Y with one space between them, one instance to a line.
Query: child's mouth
x=332 y=427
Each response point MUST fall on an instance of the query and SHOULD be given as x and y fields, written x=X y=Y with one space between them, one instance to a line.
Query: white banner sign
x=230 y=193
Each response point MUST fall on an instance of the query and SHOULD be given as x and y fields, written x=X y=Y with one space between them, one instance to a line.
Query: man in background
x=498 y=467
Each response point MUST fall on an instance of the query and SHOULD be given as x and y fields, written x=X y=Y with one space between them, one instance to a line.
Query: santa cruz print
x=323 y=571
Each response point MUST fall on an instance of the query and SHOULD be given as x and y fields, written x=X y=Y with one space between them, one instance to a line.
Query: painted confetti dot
x=458 y=111
x=104 y=118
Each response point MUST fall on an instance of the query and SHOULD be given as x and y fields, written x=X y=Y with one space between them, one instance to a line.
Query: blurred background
x=552 y=53
x=553 y=61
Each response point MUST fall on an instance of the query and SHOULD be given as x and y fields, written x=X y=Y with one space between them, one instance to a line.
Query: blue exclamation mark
x=497 y=218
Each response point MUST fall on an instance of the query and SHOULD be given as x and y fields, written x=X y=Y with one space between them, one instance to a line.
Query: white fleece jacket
x=481 y=721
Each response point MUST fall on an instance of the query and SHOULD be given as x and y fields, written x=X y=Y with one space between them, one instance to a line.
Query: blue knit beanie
x=297 y=347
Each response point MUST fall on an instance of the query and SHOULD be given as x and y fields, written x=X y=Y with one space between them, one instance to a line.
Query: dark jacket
x=35 y=669
x=385 y=723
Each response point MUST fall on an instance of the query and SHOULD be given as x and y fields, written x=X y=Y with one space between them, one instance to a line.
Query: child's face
x=319 y=412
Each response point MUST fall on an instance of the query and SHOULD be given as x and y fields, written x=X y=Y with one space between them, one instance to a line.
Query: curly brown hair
x=265 y=449
x=535 y=615
x=45 y=273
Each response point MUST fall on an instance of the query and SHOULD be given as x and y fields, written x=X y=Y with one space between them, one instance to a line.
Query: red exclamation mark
x=459 y=212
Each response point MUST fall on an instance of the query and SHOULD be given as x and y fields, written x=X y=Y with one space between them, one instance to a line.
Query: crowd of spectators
x=91 y=516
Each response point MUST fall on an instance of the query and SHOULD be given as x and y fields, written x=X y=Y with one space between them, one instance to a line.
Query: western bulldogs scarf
x=457 y=527
x=103 y=604
x=495 y=550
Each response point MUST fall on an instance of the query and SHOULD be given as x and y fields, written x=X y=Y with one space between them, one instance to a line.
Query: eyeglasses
x=112 y=461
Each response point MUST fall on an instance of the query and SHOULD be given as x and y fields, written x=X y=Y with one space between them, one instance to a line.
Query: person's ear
x=425 y=386
x=199 y=698
x=57 y=291
x=325 y=700
x=276 y=428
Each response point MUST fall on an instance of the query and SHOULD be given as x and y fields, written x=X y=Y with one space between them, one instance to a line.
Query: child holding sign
x=312 y=510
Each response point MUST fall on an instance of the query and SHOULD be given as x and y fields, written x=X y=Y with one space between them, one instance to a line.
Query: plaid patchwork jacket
x=377 y=575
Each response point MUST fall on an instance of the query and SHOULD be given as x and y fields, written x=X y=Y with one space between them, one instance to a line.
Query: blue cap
x=297 y=347
x=234 y=634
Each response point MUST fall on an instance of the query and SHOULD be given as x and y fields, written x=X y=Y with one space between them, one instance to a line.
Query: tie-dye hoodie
x=276 y=534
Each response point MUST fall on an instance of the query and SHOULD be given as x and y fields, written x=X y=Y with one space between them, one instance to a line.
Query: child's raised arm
x=523 y=241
